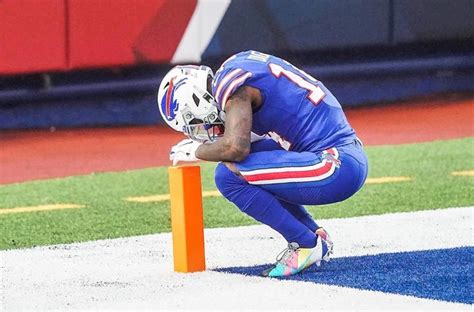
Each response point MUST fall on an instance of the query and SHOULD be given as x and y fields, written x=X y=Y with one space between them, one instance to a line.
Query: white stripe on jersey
x=284 y=169
x=295 y=180
x=225 y=80
x=232 y=86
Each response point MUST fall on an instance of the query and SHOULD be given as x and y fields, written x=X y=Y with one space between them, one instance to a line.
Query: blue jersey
x=297 y=110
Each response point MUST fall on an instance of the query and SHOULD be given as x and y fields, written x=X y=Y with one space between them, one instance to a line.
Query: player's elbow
x=238 y=152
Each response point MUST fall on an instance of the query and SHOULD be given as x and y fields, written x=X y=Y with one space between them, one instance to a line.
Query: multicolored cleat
x=294 y=259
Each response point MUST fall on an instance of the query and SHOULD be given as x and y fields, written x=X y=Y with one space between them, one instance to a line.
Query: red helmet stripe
x=168 y=98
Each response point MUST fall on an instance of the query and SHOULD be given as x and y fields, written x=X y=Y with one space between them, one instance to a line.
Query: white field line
x=137 y=272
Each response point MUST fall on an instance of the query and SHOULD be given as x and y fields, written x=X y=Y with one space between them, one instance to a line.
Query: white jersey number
x=315 y=94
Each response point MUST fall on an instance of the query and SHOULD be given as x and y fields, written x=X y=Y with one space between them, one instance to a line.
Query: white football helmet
x=187 y=105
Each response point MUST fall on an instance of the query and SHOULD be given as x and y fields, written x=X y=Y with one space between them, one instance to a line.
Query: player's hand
x=184 y=151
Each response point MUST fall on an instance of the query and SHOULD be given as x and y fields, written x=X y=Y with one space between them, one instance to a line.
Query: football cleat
x=294 y=259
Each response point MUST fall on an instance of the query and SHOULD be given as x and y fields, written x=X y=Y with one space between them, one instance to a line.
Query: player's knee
x=226 y=180
x=221 y=177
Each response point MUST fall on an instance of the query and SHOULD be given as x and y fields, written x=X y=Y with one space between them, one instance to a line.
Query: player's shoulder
x=238 y=70
x=251 y=61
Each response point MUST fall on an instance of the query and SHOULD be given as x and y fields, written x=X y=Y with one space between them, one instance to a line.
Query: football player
x=281 y=139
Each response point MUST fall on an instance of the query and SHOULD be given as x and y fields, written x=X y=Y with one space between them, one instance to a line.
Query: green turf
x=106 y=215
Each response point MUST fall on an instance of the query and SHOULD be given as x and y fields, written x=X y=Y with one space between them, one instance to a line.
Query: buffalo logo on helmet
x=169 y=104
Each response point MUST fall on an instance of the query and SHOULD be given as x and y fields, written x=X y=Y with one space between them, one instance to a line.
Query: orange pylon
x=187 y=223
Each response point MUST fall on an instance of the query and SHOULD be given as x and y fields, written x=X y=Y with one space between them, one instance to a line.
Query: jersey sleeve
x=228 y=83
x=237 y=71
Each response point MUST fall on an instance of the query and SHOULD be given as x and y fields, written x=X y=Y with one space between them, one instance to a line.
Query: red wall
x=32 y=36
x=52 y=35
x=102 y=33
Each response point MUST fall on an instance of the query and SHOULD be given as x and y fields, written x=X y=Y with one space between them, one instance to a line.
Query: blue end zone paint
x=444 y=274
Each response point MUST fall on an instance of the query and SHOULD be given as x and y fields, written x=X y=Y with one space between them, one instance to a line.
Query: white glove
x=184 y=151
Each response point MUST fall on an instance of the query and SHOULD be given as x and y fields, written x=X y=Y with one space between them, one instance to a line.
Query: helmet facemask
x=204 y=127
x=186 y=103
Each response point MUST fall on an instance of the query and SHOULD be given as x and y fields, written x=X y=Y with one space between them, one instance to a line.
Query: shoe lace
x=287 y=253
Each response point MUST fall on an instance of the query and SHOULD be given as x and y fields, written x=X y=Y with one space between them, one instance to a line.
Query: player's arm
x=235 y=144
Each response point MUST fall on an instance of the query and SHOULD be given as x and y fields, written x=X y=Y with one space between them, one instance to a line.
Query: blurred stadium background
x=75 y=63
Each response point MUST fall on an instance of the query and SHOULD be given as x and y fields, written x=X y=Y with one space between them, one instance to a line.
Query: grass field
x=107 y=215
